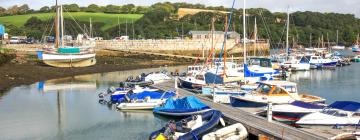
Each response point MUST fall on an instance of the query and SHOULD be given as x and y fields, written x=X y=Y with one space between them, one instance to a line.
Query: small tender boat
x=290 y=113
x=338 y=113
x=277 y=92
x=347 y=136
x=233 y=132
x=186 y=106
x=193 y=127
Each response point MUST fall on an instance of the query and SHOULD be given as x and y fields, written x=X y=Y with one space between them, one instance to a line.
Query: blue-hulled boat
x=193 y=127
x=118 y=94
x=186 y=106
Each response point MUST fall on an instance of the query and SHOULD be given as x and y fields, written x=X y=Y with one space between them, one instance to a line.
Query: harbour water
x=69 y=108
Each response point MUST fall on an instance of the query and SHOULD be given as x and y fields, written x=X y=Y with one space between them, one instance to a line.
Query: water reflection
x=68 y=108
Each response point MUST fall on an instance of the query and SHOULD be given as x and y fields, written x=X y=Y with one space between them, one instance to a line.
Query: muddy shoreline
x=26 y=69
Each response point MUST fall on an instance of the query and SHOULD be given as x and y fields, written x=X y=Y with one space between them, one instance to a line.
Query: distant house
x=217 y=35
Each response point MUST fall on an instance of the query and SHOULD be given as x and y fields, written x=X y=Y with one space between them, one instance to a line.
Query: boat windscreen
x=346 y=105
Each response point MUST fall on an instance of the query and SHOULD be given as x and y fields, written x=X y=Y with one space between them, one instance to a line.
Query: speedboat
x=189 y=128
x=182 y=107
x=290 y=113
x=276 y=92
x=118 y=94
x=145 y=100
x=236 y=131
x=338 y=113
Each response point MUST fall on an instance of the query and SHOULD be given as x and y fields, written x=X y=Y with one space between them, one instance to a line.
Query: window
x=277 y=90
x=265 y=89
x=291 y=89
x=199 y=77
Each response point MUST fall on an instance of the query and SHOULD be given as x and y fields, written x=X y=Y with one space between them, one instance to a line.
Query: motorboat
x=145 y=100
x=319 y=62
x=276 y=92
x=297 y=63
x=118 y=94
x=190 y=127
x=339 y=113
x=337 y=47
x=290 y=113
x=157 y=77
x=355 y=48
x=192 y=81
x=186 y=106
x=236 y=131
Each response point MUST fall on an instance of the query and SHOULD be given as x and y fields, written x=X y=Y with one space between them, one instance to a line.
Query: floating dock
x=260 y=126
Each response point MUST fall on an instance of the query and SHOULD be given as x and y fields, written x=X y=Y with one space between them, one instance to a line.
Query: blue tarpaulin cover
x=186 y=104
x=307 y=105
x=346 y=105
x=2 y=29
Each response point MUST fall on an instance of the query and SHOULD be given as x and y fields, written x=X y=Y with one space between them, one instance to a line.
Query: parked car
x=14 y=40
x=30 y=41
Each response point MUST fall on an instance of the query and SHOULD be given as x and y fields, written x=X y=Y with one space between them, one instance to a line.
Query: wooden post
x=269 y=111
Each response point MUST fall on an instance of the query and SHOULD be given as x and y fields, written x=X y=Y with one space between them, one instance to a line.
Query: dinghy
x=233 y=132
x=182 y=107
x=339 y=113
x=193 y=127
x=277 y=92
x=157 y=77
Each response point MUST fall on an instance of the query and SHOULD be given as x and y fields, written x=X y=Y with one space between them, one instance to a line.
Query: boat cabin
x=343 y=109
x=276 y=88
x=260 y=61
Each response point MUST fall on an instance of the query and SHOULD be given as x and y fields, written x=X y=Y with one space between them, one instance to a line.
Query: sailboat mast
x=337 y=37
x=91 y=35
x=287 y=34
x=62 y=26
x=244 y=31
x=56 y=25
x=255 y=37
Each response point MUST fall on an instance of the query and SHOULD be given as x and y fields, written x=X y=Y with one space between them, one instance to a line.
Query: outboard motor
x=111 y=90
x=101 y=95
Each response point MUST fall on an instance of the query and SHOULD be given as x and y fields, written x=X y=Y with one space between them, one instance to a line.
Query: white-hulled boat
x=339 y=113
x=276 y=92
x=141 y=105
x=297 y=63
x=337 y=47
x=233 y=132
x=61 y=55
x=157 y=77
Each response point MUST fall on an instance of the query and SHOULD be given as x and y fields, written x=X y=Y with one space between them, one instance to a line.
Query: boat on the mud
x=276 y=92
x=186 y=106
x=233 y=132
x=340 y=113
x=63 y=55
x=189 y=128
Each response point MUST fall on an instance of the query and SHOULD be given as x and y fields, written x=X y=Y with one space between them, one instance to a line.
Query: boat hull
x=75 y=60
x=237 y=102
x=189 y=85
x=167 y=113
x=288 y=117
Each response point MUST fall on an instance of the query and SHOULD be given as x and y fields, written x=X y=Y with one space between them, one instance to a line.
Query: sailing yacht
x=337 y=46
x=355 y=47
x=61 y=55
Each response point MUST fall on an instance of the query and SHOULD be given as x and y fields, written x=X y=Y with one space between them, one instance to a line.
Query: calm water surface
x=68 y=108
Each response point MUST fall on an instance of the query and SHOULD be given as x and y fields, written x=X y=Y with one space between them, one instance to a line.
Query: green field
x=110 y=20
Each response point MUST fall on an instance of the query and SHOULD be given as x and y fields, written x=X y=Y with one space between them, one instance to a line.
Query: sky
x=337 y=6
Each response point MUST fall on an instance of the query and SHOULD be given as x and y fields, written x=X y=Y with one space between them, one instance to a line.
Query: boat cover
x=186 y=104
x=153 y=95
x=306 y=105
x=249 y=73
x=69 y=50
x=346 y=105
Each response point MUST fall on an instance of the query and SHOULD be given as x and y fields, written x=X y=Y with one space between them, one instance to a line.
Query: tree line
x=161 y=21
